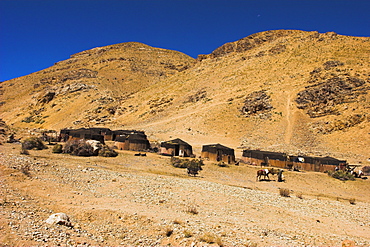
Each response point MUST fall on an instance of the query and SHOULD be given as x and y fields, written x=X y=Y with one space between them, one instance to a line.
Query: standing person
x=280 y=175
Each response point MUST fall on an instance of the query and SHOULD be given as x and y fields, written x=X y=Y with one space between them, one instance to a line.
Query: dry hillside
x=284 y=90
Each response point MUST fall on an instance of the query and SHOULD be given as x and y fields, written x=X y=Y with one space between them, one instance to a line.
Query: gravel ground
x=141 y=201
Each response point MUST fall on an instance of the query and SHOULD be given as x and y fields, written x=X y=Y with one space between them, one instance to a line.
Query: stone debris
x=257 y=103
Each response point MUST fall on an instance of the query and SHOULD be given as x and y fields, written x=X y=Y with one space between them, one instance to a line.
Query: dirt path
x=288 y=130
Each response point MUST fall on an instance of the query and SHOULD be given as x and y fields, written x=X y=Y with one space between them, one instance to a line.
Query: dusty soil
x=131 y=200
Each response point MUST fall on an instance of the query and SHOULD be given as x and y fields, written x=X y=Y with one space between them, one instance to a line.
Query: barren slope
x=284 y=90
x=293 y=91
x=87 y=88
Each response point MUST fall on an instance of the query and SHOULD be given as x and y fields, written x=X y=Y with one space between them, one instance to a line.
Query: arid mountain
x=284 y=90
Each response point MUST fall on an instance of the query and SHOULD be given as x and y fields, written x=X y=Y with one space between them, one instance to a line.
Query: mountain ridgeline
x=285 y=90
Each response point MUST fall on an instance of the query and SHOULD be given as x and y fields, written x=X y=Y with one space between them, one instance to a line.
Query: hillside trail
x=290 y=119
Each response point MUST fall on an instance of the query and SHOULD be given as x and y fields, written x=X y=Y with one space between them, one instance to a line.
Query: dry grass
x=26 y=169
x=284 y=192
x=299 y=195
x=192 y=209
x=210 y=239
x=178 y=222
x=188 y=234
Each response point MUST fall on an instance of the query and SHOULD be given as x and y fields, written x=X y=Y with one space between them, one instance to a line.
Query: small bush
x=352 y=201
x=366 y=170
x=179 y=163
x=107 y=152
x=78 y=147
x=284 y=192
x=194 y=166
x=188 y=234
x=192 y=209
x=299 y=195
x=177 y=222
x=168 y=232
x=210 y=239
x=341 y=175
x=58 y=148
x=33 y=143
x=25 y=169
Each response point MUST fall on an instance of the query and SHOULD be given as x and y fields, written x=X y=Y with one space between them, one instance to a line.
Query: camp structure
x=317 y=164
x=111 y=135
x=93 y=133
x=283 y=160
x=264 y=158
x=135 y=140
x=218 y=152
x=176 y=147
x=83 y=133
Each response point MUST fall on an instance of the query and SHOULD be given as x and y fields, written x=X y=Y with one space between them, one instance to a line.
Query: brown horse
x=265 y=173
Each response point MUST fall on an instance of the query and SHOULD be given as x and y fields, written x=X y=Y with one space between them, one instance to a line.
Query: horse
x=265 y=173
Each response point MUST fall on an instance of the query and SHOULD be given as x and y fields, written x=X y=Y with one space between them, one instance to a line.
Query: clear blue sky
x=34 y=34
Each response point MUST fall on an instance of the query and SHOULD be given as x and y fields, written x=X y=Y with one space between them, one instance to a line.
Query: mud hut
x=218 y=152
x=176 y=147
x=136 y=141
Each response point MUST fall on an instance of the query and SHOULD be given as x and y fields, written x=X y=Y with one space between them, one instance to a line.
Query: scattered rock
x=60 y=219
x=257 y=103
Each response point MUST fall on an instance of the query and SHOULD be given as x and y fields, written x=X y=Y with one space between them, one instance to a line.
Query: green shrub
x=58 y=148
x=194 y=166
x=179 y=163
x=107 y=152
x=33 y=143
x=78 y=147
x=341 y=175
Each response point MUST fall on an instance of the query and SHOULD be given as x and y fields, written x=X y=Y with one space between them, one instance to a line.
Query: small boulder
x=60 y=219
x=348 y=243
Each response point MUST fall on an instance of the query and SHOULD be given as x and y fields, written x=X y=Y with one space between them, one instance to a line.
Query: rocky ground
x=135 y=200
